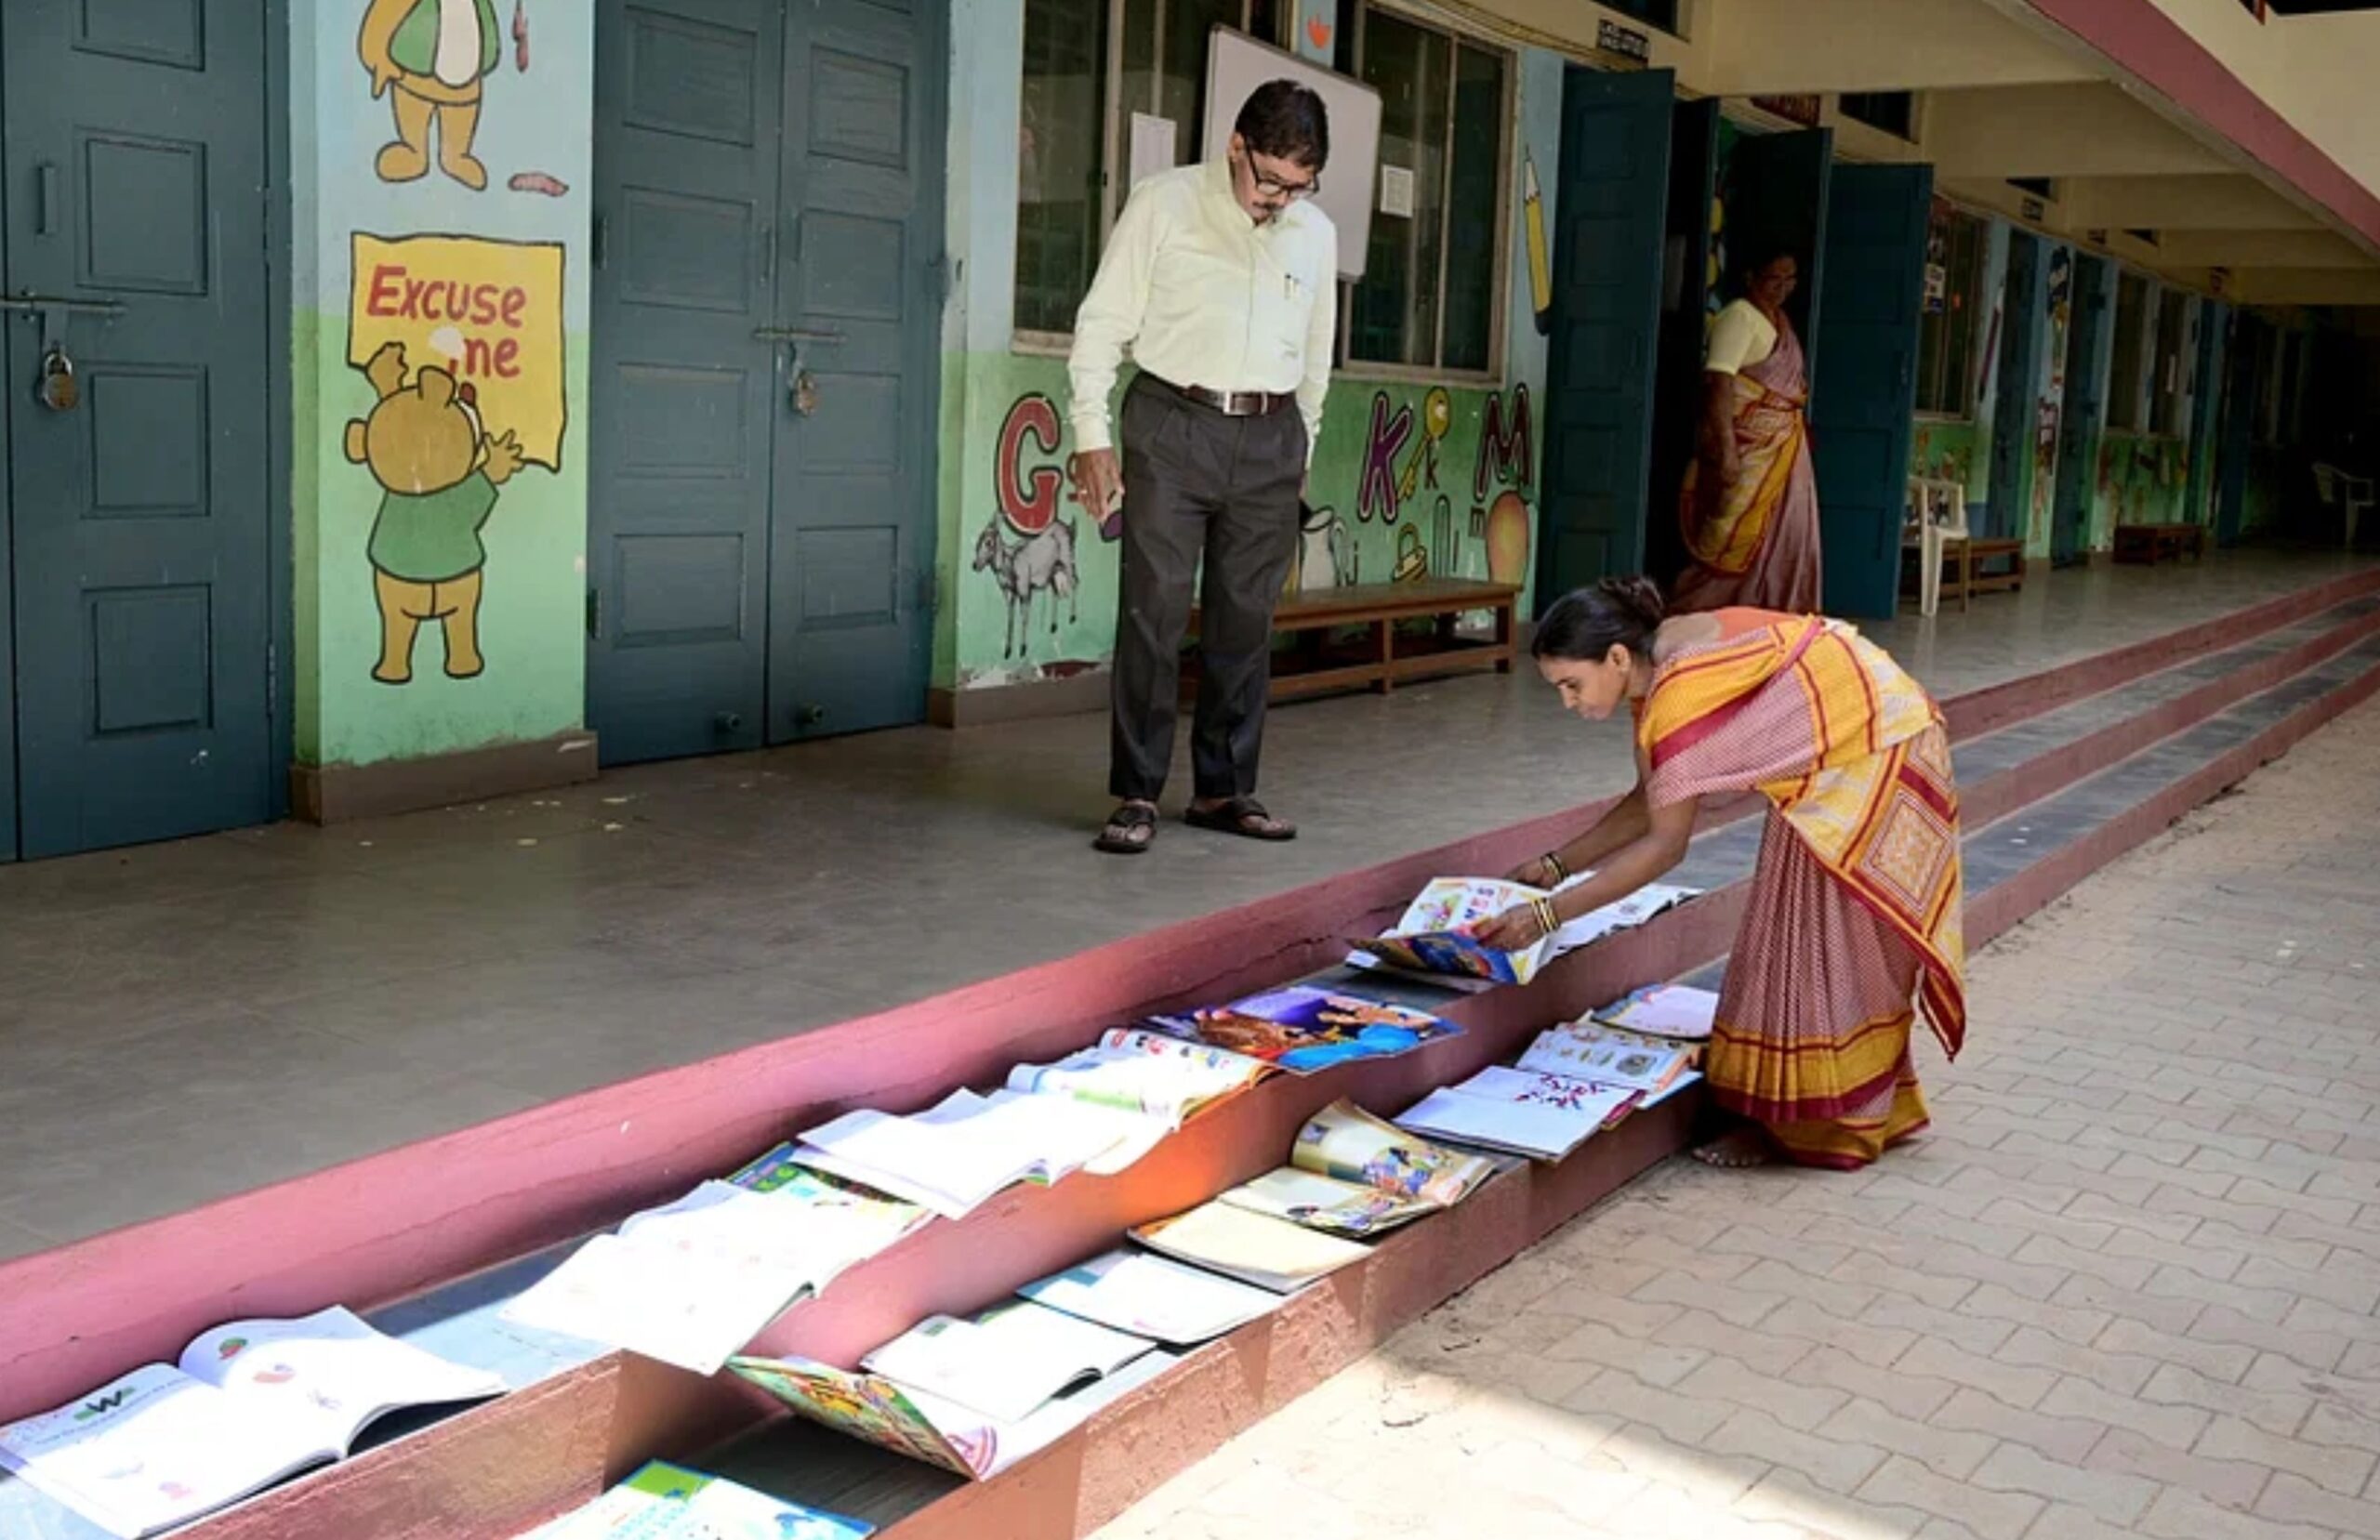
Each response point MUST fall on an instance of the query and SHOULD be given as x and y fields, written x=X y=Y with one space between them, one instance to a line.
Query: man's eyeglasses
x=1273 y=186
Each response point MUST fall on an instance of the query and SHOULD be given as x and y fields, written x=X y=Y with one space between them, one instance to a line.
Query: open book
x=1301 y=1028
x=670 y=1502
x=1350 y=1174
x=693 y=1282
x=1543 y=1116
x=1153 y=1296
x=1139 y=1071
x=1586 y=1050
x=1256 y=1249
x=958 y=1153
x=1664 y=1011
x=925 y=1427
x=1007 y=1361
x=249 y=1403
x=1436 y=934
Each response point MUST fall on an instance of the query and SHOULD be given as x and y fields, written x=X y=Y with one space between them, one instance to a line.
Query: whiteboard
x=1238 y=64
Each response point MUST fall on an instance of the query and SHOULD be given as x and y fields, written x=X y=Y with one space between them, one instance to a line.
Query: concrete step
x=2100 y=753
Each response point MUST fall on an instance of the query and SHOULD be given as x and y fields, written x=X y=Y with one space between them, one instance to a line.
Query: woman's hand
x=1517 y=929
x=1532 y=873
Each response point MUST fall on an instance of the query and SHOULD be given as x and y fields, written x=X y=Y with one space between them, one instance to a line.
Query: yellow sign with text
x=487 y=312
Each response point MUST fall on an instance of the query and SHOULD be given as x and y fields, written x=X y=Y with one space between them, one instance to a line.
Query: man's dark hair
x=1288 y=121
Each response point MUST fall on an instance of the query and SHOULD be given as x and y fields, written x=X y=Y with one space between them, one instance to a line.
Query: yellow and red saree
x=1755 y=541
x=1855 y=904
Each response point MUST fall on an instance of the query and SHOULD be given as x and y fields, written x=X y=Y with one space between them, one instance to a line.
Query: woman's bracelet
x=1552 y=863
x=1547 y=919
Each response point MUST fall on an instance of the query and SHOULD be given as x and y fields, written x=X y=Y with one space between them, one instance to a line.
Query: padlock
x=57 y=388
x=805 y=394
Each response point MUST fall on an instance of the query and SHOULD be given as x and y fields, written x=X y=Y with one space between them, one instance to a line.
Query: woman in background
x=1749 y=511
x=1855 y=905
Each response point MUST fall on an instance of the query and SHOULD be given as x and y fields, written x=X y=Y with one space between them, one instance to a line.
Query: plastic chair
x=2350 y=495
x=1931 y=531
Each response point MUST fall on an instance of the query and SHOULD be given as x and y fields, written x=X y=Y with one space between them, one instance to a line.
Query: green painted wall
x=502 y=204
x=2141 y=480
x=1409 y=480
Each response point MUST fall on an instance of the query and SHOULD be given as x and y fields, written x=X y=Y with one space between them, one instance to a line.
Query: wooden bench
x=1975 y=577
x=1380 y=659
x=2147 y=544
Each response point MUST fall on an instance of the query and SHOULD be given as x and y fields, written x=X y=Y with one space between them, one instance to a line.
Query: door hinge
x=595 y=614
x=930 y=590
x=940 y=273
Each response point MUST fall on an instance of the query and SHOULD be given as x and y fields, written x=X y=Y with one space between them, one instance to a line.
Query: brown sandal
x=1243 y=816
x=1122 y=836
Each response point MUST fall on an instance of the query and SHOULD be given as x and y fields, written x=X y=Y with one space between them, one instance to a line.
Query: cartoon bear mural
x=431 y=58
x=440 y=475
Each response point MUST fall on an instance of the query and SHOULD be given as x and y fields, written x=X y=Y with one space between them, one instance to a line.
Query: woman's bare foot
x=1740 y=1150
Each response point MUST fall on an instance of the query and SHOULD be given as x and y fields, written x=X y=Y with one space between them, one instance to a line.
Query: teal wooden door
x=1677 y=391
x=858 y=287
x=2014 y=410
x=768 y=195
x=2249 y=340
x=2206 y=396
x=1614 y=186
x=133 y=138
x=2086 y=395
x=1778 y=187
x=1871 y=299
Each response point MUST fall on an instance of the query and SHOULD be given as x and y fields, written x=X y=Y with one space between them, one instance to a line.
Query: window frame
x=1969 y=394
x=1343 y=361
x=1031 y=343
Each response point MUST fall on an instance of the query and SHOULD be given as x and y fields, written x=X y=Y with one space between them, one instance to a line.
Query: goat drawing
x=1023 y=568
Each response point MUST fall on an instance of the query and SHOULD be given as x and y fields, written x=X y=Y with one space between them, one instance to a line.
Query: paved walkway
x=2049 y=1320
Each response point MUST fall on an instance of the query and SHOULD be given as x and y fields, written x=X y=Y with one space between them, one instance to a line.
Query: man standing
x=1222 y=279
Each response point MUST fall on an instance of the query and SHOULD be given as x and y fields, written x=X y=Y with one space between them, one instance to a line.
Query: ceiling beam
x=1762 y=48
x=2089 y=130
x=2178 y=203
x=2260 y=248
x=2304 y=287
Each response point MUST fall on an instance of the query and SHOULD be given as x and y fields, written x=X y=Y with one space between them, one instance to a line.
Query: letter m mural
x=1504 y=449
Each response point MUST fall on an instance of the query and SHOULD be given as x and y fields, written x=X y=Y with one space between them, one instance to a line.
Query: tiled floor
x=183 y=1021
x=2126 y=1287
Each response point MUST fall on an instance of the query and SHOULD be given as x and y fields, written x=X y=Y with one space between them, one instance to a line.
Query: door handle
x=795 y=334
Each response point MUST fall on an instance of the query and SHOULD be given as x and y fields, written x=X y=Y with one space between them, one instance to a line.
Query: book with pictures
x=1524 y=1113
x=1153 y=1296
x=1437 y=934
x=959 y=1152
x=1006 y=1363
x=1675 y=1011
x=924 y=1426
x=692 y=1281
x=669 y=1501
x=1351 y=1174
x=1606 y=1056
x=1256 y=1249
x=248 y=1403
x=1302 y=1028
x=1136 y=1070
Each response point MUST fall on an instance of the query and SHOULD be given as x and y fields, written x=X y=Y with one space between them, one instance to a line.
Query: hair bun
x=1641 y=597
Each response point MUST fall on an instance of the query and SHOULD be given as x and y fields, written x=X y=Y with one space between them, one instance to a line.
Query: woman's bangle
x=1552 y=863
x=1548 y=921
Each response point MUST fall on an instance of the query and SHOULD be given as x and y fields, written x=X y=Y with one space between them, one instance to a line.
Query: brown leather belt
x=1232 y=403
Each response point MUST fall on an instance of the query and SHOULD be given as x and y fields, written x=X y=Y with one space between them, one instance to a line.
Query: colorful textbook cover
x=1301 y=1029
x=1436 y=935
x=670 y=1502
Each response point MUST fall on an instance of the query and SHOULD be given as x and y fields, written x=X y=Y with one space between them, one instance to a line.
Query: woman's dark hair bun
x=1585 y=624
x=1640 y=596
